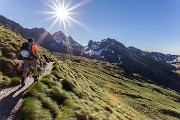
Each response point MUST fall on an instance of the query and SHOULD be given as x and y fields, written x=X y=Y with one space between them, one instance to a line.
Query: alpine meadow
x=85 y=89
x=89 y=60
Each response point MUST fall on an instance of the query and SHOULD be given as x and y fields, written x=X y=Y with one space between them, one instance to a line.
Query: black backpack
x=25 y=48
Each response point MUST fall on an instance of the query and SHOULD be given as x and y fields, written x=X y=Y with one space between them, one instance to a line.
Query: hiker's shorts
x=28 y=63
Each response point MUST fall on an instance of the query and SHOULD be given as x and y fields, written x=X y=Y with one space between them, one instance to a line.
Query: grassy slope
x=90 y=89
x=9 y=43
x=10 y=67
x=79 y=88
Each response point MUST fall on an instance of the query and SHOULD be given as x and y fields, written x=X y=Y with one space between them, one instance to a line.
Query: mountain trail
x=11 y=99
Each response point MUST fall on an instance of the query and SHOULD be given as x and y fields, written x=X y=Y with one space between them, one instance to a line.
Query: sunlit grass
x=80 y=88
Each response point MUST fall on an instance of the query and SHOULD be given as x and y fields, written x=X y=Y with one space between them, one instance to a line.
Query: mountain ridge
x=79 y=88
x=152 y=65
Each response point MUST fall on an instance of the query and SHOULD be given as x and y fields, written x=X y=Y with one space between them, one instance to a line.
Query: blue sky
x=151 y=25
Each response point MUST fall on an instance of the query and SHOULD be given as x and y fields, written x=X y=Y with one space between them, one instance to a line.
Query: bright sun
x=62 y=12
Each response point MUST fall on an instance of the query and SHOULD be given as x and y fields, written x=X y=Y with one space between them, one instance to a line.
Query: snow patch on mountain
x=64 y=42
x=119 y=59
x=98 y=52
x=94 y=46
x=91 y=52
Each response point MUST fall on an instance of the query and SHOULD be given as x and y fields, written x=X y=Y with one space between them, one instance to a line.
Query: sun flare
x=62 y=12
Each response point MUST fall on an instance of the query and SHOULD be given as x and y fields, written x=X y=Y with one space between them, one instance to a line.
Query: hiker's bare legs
x=25 y=71
x=27 y=64
x=35 y=71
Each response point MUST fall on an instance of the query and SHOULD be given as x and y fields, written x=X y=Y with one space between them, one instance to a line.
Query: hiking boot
x=35 y=78
x=23 y=81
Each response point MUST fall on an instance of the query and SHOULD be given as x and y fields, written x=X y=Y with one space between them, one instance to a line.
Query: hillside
x=57 y=42
x=162 y=69
x=10 y=67
x=155 y=66
x=92 y=89
x=84 y=89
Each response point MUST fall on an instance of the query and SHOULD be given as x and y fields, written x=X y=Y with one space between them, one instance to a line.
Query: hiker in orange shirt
x=30 y=56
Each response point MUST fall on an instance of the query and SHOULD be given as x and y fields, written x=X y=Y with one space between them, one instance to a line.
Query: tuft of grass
x=11 y=55
x=81 y=116
x=6 y=67
x=49 y=82
x=52 y=106
x=32 y=110
x=4 y=81
x=67 y=114
x=56 y=74
x=78 y=60
x=15 y=81
x=78 y=92
x=55 y=68
x=37 y=90
x=67 y=85
x=109 y=109
x=58 y=95
x=40 y=91
x=49 y=76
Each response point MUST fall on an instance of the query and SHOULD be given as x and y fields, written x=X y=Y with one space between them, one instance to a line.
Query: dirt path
x=11 y=99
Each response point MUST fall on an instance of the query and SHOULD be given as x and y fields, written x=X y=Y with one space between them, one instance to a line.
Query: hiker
x=30 y=56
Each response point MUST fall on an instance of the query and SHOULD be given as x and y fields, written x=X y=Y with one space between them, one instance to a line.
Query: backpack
x=25 y=51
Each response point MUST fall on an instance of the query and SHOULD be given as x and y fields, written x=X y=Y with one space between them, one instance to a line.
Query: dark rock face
x=66 y=44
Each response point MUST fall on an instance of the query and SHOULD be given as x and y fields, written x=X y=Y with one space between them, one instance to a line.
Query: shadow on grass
x=171 y=113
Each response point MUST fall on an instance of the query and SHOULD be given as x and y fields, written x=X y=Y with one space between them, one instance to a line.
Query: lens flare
x=62 y=12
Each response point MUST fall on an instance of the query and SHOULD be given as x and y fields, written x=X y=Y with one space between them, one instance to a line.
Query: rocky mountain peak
x=90 y=43
x=112 y=43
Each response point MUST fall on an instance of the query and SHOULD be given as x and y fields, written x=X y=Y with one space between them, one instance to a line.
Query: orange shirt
x=34 y=47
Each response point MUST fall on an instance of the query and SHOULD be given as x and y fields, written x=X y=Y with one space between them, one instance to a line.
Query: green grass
x=96 y=90
x=58 y=95
x=41 y=92
x=33 y=110
x=79 y=88
x=10 y=66
x=4 y=81
x=9 y=46
x=139 y=96
x=15 y=81
x=48 y=92
x=67 y=85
